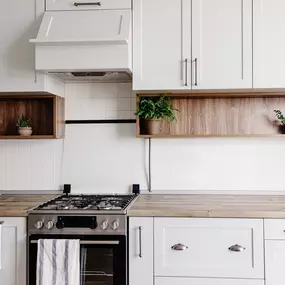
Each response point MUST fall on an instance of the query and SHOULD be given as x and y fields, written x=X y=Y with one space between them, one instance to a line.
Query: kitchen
x=211 y=204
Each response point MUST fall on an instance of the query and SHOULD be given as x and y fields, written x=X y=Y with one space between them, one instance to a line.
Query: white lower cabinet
x=202 y=281
x=141 y=251
x=13 y=251
x=275 y=262
x=274 y=251
x=201 y=251
x=218 y=248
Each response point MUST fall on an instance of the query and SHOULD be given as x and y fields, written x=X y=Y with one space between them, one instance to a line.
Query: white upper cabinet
x=13 y=251
x=161 y=44
x=65 y=5
x=17 y=55
x=20 y=21
x=268 y=44
x=222 y=44
x=192 y=44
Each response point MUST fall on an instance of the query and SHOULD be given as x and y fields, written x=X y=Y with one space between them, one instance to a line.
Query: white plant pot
x=26 y=131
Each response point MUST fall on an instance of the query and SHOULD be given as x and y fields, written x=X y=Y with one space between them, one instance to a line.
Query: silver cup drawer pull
x=236 y=248
x=179 y=247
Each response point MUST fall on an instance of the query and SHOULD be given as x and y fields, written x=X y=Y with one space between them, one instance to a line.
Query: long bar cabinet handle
x=196 y=71
x=76 y=4
x=91 y=242
x=140 y=241
x=186 y=72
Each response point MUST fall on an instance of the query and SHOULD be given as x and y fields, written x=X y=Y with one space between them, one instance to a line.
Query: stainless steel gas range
x=98 y=221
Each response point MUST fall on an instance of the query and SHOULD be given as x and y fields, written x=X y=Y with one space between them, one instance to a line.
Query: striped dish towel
x=58 y=262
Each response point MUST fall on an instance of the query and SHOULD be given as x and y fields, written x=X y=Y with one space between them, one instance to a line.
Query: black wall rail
x=117 y=121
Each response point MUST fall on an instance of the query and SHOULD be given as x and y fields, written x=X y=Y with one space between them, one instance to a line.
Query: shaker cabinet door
x=268 y=44
x=214 y=248
x=161 y=44
x=19 y=23
x=275 y=262
x=222 y=44
x=141 y=251
x=13 y=251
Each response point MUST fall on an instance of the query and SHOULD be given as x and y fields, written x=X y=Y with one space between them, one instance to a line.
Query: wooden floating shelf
x=205 y=115
x=45 y=110
x=207 y=136
x=27 y=137
x=238 y=93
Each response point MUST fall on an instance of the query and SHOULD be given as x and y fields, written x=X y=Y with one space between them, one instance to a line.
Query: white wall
x=30 y=164
x=109 y=158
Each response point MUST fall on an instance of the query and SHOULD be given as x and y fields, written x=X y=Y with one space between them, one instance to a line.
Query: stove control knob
x=115 y=225
x=60 y=224
x=39 y=224
x=104 y=225
x=49 y=225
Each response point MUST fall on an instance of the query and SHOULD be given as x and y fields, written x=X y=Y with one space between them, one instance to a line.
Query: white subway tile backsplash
x=98 y=101
x=124 y=114
x=133 y=103
x=103 y=158
x=125 y=90
x=124 y=104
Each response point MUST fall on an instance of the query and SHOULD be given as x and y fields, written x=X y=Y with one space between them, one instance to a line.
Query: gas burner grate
x=88 y=202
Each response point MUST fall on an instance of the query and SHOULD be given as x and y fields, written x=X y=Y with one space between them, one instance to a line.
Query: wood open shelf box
x=222 y=115
x=45 y=110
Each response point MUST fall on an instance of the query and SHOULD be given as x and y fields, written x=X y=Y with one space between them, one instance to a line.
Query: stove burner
x=88 y=202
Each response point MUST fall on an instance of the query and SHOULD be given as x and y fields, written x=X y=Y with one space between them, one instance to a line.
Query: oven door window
x=97 y=265
x=102 y=259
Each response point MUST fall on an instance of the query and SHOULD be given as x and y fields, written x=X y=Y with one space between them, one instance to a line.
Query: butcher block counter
x=19 y=205
x=209 y=206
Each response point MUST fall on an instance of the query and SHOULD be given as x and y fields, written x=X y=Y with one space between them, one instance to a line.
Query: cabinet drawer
x=206 y=251
x=201 y=281
x=65 y=5
x=274 y=229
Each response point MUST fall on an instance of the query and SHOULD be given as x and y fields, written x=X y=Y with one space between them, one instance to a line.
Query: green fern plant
x=280 y=116
x=161 y=108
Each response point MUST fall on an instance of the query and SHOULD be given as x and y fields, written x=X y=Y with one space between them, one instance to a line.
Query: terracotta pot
x=152 y=127
x=25 y=131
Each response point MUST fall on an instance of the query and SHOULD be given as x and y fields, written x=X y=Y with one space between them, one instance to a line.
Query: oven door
x=102 y=259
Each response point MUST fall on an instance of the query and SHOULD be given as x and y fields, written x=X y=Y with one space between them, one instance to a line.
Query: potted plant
x=153 y=111
x=24 y=126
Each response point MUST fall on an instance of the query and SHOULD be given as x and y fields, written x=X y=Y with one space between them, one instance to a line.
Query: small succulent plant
x=23 y=122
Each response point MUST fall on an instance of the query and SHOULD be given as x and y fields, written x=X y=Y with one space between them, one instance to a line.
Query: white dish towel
x=58 y=262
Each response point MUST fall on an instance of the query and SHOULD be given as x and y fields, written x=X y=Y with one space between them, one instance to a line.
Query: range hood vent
x=94 y=76
x=85 y=45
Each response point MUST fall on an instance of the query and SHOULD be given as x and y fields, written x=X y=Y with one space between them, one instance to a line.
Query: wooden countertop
x=19 y=205
x=209 y=206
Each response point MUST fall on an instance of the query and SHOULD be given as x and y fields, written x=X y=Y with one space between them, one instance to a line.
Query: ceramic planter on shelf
x=152 y=127
x=25 y=131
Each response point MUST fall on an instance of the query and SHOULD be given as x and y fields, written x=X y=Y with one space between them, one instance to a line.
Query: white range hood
x=85 y=45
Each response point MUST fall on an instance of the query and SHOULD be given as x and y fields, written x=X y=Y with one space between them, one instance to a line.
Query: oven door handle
x=90 y=242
